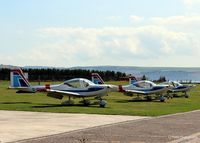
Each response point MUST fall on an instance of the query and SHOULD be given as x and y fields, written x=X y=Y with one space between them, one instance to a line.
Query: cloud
x=118 y=45
x=136 y=19
x=192 y=7
x=191 y=2
x=161 y=41
x=186 y=29
x=177 y=21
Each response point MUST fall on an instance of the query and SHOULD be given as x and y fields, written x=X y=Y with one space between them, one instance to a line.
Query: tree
x=162 y=79
x=144 y=77
x=62 y=74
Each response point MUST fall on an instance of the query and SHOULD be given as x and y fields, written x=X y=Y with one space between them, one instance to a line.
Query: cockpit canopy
x=172 y=83
x=78 y=83
x=175 y=83
x=144 y=84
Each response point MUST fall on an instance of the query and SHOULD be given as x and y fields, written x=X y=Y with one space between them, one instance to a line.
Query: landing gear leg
x=68 y=102
x=186 y=95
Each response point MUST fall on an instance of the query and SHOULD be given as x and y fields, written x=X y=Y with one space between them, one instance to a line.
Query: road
x=19 y=125
x=177 y=128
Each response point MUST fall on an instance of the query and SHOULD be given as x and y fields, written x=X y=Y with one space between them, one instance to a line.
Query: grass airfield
x=117 y=103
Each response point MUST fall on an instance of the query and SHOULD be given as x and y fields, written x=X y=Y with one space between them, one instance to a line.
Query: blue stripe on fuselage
x=92 y=89
x=181 y=87
x=152 y=89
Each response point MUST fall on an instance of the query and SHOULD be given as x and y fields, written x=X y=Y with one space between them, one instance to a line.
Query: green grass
x=118 y=103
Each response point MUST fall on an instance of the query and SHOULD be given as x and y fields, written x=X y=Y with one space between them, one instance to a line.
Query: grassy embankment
x=117 y=103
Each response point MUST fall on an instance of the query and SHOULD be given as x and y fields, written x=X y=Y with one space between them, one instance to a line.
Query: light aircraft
x=78 y=87
x=145 y=88
x=177 y=87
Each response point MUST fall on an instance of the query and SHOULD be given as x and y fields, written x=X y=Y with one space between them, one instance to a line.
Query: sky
x=67 y=33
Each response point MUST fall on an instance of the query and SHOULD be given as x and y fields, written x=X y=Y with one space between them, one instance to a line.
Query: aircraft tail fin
x=97 y=79
x=17 y=79
x=132 y=79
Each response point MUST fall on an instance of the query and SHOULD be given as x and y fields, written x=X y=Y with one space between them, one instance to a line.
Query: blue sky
x=100 y=32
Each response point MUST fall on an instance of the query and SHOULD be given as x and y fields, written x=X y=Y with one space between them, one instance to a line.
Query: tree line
x=62 y=74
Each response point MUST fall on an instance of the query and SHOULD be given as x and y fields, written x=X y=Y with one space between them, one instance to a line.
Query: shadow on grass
x=16 y=103
x=178 y=96
x=136 y=100
x=60 y=105
x=49 y=105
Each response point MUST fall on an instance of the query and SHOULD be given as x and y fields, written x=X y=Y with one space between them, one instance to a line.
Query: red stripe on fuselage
x=47 y=86
x=121 y=89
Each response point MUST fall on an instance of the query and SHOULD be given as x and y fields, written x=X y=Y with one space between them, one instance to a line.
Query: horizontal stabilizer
x=22 y=91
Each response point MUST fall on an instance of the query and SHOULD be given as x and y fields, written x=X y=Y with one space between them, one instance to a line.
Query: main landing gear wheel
x=162 y=99
x=102 y=103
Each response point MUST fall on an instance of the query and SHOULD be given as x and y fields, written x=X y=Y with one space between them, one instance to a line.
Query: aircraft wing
x=136 y=92
x=59 y=94
x=23 y=89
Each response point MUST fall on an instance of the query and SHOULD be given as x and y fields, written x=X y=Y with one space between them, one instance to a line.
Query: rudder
x=97 y=79
x=132 y=79
x=17 y=79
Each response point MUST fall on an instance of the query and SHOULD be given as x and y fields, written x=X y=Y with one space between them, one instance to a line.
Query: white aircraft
x=177 y=87
x=147 y=89
x=78 y=87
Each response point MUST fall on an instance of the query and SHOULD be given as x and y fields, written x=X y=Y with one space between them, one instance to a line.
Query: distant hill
x=30 y=67
x=153 y=73
x=38 y=67
x=7 y=66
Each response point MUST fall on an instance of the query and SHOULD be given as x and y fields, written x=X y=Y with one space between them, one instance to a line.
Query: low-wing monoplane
x=78 y=88
x=143 y=88
x=147 y=90
x=177 y=87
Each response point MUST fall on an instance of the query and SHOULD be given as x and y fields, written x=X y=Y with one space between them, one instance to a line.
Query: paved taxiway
x=19 y=125
x=177 y=128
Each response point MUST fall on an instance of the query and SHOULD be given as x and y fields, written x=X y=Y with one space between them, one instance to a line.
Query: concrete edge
x=100 y=126
x=79 y=130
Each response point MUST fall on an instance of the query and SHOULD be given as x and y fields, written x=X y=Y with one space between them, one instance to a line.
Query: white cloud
x=191 y=2
x=192 y=7
x=169 y=41
x=135 y=19
x=115 y=46
x=177 y=20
